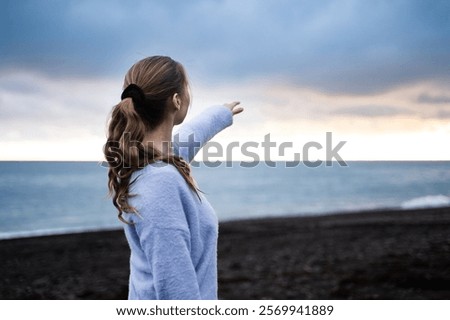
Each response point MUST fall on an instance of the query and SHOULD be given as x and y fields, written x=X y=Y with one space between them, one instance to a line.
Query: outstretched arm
x=193 y=135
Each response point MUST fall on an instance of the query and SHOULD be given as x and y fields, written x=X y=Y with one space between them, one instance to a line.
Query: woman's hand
x=233 y=106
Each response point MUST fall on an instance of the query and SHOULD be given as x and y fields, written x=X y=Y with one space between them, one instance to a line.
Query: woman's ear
x=176 y=101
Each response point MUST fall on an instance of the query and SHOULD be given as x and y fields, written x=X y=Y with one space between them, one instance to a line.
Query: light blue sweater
x=173 y=240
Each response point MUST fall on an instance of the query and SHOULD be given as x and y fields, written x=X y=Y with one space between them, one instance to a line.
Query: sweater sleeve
x=165 y=238
x=193 y=135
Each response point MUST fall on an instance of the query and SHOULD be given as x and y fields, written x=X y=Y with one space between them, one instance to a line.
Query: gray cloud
x=433 y=99
x=371 y=111
x=443 y=114
x=33 y=107
x=334 y=46
x=379 y=111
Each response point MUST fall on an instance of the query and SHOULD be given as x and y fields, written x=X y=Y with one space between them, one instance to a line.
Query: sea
x=43 y=198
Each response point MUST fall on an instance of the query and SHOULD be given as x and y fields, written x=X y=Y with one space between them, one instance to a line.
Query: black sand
x=367 y=255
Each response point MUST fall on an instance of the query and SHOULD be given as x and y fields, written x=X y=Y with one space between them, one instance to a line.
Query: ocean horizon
x=58 y=197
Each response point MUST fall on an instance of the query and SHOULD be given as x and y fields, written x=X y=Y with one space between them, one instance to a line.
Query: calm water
x=58 y=197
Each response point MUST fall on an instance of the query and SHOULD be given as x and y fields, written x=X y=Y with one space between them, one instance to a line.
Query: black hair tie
x=134 y=92
x=149 y=108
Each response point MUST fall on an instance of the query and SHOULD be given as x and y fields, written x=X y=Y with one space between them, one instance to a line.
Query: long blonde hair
x=159 y=78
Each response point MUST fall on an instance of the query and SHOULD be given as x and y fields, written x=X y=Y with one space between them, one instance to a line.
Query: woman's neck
x=160 y=138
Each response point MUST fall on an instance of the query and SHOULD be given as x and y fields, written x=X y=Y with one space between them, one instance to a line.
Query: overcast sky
x=375 y=73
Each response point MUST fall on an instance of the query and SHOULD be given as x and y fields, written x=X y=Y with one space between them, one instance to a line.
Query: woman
x=170 y=226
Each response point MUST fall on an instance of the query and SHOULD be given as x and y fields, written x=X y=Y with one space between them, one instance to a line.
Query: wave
x=431 y=201
x=52 y=232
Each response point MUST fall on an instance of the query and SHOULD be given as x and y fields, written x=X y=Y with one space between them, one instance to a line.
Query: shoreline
x=380 y=254
x=77 y=230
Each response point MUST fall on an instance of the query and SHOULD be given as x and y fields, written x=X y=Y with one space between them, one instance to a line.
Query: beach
x=386 y=254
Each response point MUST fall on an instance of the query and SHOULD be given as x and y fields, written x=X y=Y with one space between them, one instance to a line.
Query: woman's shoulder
x=159 y=175
x=161 y=196
x=160 y=169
